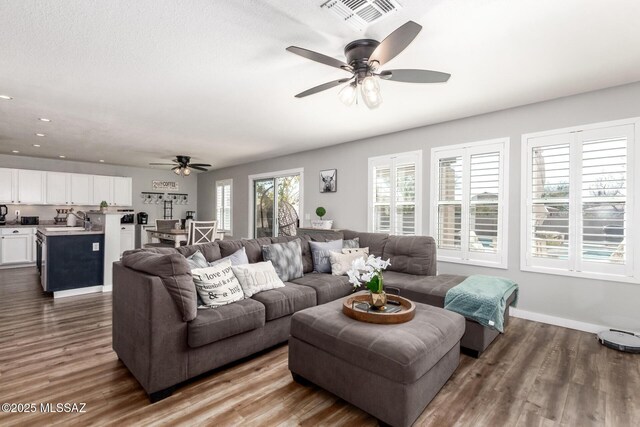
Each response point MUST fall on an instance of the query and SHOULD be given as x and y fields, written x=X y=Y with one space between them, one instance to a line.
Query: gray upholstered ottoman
x=389 y=371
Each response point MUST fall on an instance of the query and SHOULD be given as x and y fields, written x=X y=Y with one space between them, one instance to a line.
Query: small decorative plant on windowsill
x=369 y=272
x=322 y=224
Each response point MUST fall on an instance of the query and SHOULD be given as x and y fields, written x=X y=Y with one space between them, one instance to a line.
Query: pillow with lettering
x=320 y=254
x=257 y=277
x=217 y=285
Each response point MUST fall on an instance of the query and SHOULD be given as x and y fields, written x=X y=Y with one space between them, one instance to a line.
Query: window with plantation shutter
x=223 y=205
x=469 y=214
x=394 y=183
x=580 y=185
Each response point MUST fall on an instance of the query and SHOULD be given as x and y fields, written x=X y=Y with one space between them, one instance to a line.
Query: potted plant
x=104 y=206
x=369 y=272
x=322 y=224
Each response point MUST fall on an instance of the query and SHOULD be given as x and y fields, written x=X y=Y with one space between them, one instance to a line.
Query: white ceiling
x=133 y=82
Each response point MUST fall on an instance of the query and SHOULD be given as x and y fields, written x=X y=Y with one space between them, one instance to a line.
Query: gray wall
x=594 y=301
x=142 y=178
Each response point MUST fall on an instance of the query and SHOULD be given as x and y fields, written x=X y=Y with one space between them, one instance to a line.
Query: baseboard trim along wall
x=556 y=321
x=78 y=291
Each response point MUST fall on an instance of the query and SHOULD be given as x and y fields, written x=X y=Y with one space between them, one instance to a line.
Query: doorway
x=276 y=203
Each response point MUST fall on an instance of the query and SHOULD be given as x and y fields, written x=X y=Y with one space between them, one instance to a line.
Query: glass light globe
x=348 y=94
x=370 y=84
x=372 y=99
x=176 y=171
x=186 y=172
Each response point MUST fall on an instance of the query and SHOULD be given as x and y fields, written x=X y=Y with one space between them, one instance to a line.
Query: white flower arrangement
x=368 y=271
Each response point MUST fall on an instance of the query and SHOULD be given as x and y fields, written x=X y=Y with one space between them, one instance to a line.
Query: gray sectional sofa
x=164 y=340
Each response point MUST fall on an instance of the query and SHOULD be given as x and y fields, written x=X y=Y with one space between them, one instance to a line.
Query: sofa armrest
x=149 y=335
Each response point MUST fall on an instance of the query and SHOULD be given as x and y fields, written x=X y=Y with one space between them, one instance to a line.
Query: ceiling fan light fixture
x=186 y=171
x=370 y=92
x=176 y=171
x=348 y=94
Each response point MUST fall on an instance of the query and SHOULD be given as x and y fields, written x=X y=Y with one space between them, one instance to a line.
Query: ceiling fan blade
x=322 y=87
x=162 y=164
x=318 y=57
x=415 y=76
x=200 y=164
x=197 y=168
x=395 y=43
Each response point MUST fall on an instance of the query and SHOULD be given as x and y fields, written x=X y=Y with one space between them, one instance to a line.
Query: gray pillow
x=197 y=260
x=239 y=257
x=320 y=254
x=351 y=243
x=286 y=259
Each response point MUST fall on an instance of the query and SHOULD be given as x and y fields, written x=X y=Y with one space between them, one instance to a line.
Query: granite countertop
x=11 y=225
x=44 y=232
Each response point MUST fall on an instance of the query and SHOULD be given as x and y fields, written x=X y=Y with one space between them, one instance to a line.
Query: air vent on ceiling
x=361 y=13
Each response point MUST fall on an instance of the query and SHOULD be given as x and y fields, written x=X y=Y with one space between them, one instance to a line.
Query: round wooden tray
x=408 y=310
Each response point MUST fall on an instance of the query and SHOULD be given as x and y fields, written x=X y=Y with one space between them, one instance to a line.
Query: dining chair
x=163 y=225
x=201 y=232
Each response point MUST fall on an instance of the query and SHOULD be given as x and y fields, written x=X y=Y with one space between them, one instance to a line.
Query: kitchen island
x=70 y=260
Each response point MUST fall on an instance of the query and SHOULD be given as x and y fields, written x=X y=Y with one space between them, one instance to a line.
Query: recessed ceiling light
x=101 y=161
x=40 y=134
x=42 y=119
x=7 y=97
x=62 y=157
x=15 y=151
x=36 y=145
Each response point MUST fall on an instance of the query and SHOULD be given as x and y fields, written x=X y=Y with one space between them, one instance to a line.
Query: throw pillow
x=320 y=254
x=341 y=263
x=351 y=243
x=217 y=285
x=355 y=250
x=286 y=259
x=257 y=277
x=197 y=260
x=239 y=257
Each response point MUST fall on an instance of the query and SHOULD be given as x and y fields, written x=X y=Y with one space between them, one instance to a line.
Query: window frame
x=466 y=150
x=632 y=245
x=223 y=183
x=390 y=160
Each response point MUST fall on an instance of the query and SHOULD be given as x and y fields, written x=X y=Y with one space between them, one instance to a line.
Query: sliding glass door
x=276 y=205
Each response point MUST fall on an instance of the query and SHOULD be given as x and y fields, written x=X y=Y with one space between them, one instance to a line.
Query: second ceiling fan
x=364 y=59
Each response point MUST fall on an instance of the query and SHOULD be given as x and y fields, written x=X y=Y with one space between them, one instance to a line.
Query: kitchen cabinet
x=127 y=237
x=16 y=246
x=8 y=179
x=30 y=187
x=102 y=190
x=122 y=191
x=81 y=188
x=58 y=188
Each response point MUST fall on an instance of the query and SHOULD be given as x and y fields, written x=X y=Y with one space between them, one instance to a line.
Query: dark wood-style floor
x=60 y=351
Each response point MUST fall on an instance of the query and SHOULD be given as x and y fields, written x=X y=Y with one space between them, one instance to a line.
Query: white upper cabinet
x=122 y=189
x=81 y=186
x=31 y=187
x=58 y=184
x=8 y=178
x=102 y=190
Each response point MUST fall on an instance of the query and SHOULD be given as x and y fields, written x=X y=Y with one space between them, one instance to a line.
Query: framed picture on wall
x=329 y=181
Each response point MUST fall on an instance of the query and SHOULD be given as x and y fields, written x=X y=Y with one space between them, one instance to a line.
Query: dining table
x=175 y=235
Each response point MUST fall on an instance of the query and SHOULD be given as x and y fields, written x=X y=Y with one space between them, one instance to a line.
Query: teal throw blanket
x=483 y=299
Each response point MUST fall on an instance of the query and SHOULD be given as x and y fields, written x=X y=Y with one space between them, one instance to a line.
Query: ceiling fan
x=182 y=166
x=364 y=58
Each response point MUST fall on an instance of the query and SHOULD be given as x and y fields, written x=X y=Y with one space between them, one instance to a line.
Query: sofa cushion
x=402 y=352
x=287 y=300
x=286 y=259
x=217 y=285
x=307 y=261
x=327 y=287
x=257 y=277
x=239 y=257
x=411 y=254
x=211 y=251
x=375 y=241
x=320 y=253
x=175 y=273
x=425 y=289
x=216 y=324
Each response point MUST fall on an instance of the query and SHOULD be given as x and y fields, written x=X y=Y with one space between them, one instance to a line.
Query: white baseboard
x=557 y=321
x=78 y=291
x=107 y=288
